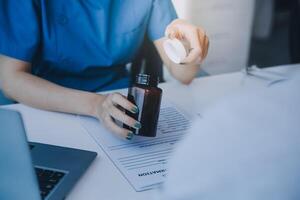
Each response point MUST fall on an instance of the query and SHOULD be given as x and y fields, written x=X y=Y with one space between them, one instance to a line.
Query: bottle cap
x=145 y=79
x=176 y=50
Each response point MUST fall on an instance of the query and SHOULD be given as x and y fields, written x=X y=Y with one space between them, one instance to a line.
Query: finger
x=122 y=132
x=194 y=39
x=193 y=57
x=206 y=47
x=169 y=31
x=202 y=39
x=122 y=117
x=122 y=101
x=173 y=32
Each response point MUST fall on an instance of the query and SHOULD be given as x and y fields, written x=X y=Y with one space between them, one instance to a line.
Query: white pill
x=175 y=50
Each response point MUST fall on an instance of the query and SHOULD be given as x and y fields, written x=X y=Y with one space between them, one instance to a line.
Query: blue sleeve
x=162 y=14
x=19 y=31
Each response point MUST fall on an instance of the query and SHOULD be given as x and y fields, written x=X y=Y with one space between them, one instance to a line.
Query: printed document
x=142 y=161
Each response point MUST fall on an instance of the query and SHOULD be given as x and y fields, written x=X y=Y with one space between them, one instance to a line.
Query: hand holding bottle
x=109 y=109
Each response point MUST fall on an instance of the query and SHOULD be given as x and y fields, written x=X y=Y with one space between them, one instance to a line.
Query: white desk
x=103 y=180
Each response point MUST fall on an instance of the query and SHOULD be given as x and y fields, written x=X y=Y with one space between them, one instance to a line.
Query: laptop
x=34 y=170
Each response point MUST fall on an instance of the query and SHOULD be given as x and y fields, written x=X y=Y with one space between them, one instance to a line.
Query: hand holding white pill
x=186 y=43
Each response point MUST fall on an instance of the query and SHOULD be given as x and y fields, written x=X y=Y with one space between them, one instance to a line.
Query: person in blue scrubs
x=56 y=54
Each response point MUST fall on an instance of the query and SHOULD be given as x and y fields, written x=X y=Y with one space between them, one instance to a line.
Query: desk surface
x=103 y=180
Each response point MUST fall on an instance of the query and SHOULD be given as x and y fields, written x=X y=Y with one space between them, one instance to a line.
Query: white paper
x=142 y=161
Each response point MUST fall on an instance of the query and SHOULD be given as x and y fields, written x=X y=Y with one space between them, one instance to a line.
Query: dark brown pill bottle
x=145 y=94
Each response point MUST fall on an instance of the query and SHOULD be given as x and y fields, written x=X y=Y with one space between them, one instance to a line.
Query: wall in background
x=229 y=26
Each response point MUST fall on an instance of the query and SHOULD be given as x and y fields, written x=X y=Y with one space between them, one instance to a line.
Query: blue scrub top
x=81 y=44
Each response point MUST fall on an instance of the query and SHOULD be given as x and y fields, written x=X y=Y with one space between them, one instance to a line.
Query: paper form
x=142 y=161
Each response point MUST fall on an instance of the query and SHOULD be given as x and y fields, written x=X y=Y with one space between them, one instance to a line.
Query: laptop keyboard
x=47 y=179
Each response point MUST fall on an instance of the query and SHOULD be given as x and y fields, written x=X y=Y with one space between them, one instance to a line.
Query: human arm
x=186 y=71
x=19 y=84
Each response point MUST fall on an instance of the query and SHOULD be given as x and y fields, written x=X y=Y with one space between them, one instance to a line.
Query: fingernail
x=135 y=109
x=129 y=136
x=138 y=125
